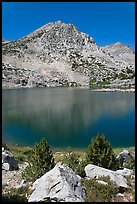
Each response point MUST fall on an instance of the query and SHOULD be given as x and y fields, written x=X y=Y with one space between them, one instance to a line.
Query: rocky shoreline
x=81 y=87
x=114 y=90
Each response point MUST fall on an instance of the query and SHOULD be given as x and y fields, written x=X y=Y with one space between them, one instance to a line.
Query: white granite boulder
x=125 y=172
x=93 y=171
x=60 y=184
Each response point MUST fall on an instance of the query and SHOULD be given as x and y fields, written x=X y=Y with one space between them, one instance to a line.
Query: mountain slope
x=58 y=54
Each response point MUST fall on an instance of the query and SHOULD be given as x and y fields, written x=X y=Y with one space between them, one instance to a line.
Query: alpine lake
x=67 y=117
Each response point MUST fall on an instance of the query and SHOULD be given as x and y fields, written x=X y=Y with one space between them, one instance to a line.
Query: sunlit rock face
x=60 y=184
x=58 y=54
x=93 y=171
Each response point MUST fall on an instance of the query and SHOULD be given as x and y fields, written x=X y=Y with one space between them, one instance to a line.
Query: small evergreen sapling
x=40 y=161
x=100 y=153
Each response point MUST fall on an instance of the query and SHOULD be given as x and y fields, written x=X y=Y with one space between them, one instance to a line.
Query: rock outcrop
x=60 y=184
x=125 y=156
x=9 y=163
x=93 y=171
x=125 y=172
x=58 y=54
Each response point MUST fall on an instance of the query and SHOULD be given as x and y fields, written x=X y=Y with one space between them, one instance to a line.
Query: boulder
x=93 y=171
x=60 y=184
x=125 y=172
x=9 y=163
x=102 y=182
x=125 y=156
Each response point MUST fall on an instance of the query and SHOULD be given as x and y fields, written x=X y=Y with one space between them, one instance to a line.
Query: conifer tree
x=40 y=161
x=100 y=153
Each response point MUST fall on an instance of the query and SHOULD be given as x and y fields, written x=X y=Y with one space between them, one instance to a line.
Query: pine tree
x=40 y=161
x=100 y=153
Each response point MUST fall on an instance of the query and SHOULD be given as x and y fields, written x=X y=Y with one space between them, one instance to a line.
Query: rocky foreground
x=58 y=54
x=62 y=184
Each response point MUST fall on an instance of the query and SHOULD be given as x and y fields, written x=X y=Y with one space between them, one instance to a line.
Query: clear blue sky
x=106 y=22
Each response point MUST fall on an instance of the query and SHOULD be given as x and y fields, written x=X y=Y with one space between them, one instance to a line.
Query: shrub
x=71 y=159
x=80 y=170
x=74 y=162
x=20 y=157
x=100 y=153
x=16 y=195
x=92 y=81
x=130 y=164
x=97 y=192
x=103 y=83
x=13 y=198
x=40 y=161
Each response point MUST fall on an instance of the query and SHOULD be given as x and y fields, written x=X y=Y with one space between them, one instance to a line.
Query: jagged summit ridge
x=58 y=54
x=60 y=27
x=60 y=37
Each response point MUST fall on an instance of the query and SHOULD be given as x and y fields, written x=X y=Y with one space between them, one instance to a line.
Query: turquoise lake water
x=67 y=117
